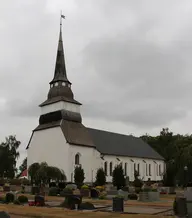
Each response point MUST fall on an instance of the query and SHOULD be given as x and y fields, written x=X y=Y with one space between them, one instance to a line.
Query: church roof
x=107 y=143
x=110 y=143
x=75 y=132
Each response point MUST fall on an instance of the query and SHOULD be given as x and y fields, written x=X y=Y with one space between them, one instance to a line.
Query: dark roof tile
x=122 y=145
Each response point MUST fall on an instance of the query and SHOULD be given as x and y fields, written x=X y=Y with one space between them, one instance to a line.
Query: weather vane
x=62 y=17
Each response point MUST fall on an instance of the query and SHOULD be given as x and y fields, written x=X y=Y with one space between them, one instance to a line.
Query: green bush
x=102 y=197
x=66 y=191
x=146 y=190
x=154 y=190
x=9 y=197
x=2 y=199
x=15 y=182
x=17 y=202
x=86 y=206
x=132 y=196
x=25 y=181
x=84 y=187
x=54 y=191
x=22 y=199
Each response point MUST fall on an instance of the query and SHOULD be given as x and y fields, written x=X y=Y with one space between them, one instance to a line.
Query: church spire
x=60 y=68
x=60 y=86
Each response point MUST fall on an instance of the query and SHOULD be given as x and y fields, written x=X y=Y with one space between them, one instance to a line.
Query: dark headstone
x=3 y=214
x=94 y=193
x=180 y=207
x=118 y=205
x=39 y=200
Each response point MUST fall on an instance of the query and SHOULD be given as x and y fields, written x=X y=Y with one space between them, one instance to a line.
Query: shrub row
x=10 y=198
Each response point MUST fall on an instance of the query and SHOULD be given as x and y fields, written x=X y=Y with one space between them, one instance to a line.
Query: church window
x=138 y=168
x=105 y=168
x=149 y=169
x=63 y=83
x=125 y=169
x=56 y=84
x=111 y=168
x=77 y=159
x=146 y=170
x=159 y=169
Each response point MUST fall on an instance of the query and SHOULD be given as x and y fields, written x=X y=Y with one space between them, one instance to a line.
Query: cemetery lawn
x=167 y=201
x=43 y=212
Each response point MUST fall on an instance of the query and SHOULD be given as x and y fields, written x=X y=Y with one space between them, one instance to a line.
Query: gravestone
x=188 y=196
x=180 y=207
x=3 y=214
x=94 y=193
x=71 y=186
x=123 y=194
x=131 y=189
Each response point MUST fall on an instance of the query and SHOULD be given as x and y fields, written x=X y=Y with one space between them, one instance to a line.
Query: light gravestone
x=188 y=196
x=123 y=194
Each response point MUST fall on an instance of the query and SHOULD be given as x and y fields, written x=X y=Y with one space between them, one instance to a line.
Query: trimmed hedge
x=53 y=191
x=23 y=199
x=9 y=198
x=132 y=196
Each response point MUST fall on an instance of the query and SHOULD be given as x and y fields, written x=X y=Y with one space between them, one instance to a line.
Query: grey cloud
x=129 y=61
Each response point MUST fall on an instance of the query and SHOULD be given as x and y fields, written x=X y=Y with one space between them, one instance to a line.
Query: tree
x=8 y=156
x=100 y=177
x=118 y=177
x=23 y=166
x=43 y=173
x=79 y=176
x=32 y=172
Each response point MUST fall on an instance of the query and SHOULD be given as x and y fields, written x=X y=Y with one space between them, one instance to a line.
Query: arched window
x=159 y=169
x=77 y=159
x=125 y=169
x=138 y=168
x=111 y=168
x=105 y=167
x=149 y=169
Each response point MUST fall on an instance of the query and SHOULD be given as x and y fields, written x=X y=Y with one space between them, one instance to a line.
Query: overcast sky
x=129 y=61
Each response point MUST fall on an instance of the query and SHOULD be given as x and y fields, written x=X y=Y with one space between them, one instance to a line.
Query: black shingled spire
x=60 y=69
x=60 y=86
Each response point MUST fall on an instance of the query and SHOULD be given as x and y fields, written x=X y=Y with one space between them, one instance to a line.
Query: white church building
x=63 y=141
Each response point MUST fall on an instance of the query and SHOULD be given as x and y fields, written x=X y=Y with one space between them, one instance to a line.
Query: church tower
x=60 y=134
x=60 y=101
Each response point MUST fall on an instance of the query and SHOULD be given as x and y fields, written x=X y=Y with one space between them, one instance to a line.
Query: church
x=63 y=141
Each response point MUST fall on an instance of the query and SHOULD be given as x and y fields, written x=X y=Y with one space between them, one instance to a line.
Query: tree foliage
x=8 y=156
x=177 y=151
x=100 y=177
x=43 y=173
x=118 y=177
x=23 y=166
x=79 y=176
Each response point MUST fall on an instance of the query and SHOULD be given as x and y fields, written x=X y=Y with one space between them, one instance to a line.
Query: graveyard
x=97 y=203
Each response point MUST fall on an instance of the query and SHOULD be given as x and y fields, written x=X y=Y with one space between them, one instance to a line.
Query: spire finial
x=62 y=16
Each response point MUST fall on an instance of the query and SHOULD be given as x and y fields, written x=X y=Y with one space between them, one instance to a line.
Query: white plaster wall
x=49 y=146
x=89 y=159
x=130 y=167
x=60 y=106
